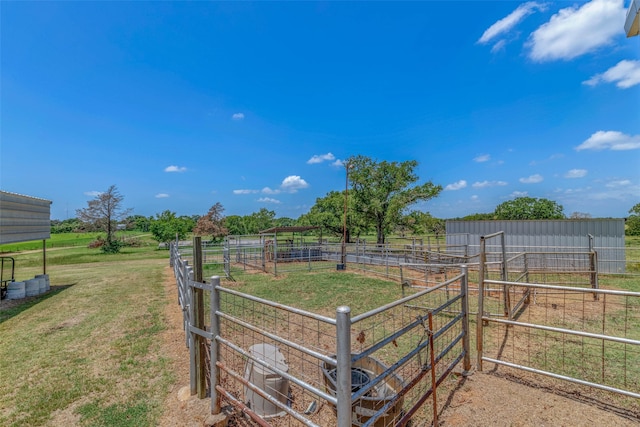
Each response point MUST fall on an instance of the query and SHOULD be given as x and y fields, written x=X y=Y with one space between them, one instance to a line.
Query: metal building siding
x=24 y=218
x=554 y=235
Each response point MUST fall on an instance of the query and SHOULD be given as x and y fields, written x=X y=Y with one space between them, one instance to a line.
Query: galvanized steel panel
x=551 y=235
x=24 y=218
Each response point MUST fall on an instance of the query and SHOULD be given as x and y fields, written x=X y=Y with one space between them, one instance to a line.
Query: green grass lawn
x=87 y=354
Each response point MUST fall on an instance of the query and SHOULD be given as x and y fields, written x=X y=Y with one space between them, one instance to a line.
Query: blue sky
x=182 y=105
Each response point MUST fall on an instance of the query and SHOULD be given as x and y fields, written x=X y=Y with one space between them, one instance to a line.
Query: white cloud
x=175 y=169
x=268 y=200
x=624 y=74
x=576 y=173
x=517 y=194
x=500 y=45
x=293 y=183
x=290 y=184
x=485 y=184
x=456 y=185
x=319 y=158
x=533 y=179
x=505 y=24
x=610 y=140
x=338 y=163
x=618 y=183
x=238 y=116
x=574 y=31
x=268 y=190
x=474 y=197
x=482 y=158
x=92 y=193
x=161 y=196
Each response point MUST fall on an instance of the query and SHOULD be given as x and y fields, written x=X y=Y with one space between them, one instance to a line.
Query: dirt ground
x=481 y=399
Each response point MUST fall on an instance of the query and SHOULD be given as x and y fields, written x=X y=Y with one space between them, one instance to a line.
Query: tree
x=328 y=213
x=478 y=217
x=261 y=220
x=423 y=223
x=69 y=225
x=212 y=224
x=236 y=225
x=381 y=191
x=529 y=208
x=104 y=212
x=633 y=221
x=166 y=226
x=139 y=223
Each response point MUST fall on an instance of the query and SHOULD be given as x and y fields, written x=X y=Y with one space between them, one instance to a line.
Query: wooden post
x=198 y=320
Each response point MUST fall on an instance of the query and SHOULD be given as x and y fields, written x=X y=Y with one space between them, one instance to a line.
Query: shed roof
x=289 y=229
x=23 y=218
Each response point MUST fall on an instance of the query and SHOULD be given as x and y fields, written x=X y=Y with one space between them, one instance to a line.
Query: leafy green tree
x=212 y=224
x=166 y=226
x=633 y=221
x=421 y=223
x=139 y=222
x=529 y=208
x=104 y=212
x=69 y=225
x=328 y=213
x=478 y=217
x=261 y=220
x=236 y=225
x=383 y=190
x=285 y=222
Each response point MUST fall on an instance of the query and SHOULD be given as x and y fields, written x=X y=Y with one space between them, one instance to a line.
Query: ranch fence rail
x=541 y=313
x=556 y=322
x=405 y=350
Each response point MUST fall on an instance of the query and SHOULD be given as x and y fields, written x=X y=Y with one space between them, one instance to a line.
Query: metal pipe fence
x=390 y=344
x=406 y=349
x=565 y=333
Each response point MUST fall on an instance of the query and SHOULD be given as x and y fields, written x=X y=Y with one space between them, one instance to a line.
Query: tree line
x=378 y=199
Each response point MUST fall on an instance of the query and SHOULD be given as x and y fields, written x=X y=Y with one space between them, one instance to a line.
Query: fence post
x=464 y=289
x=505 y=288
x=198 y=320
x=479 y=343
x=593 y=261
x=215 y=349
x=193 y=342
x=343 y=368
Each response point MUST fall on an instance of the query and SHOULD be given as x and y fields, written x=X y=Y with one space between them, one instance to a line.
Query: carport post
x=44 y=256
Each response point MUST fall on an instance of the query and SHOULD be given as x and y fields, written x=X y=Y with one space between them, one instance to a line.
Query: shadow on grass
x=11 y=308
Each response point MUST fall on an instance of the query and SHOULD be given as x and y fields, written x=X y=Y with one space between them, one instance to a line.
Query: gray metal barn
x=548 y=235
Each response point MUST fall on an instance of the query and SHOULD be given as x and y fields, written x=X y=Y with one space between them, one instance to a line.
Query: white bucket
x=15 y=290
x=32 y=287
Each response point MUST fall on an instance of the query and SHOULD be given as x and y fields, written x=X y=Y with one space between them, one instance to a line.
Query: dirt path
x=181 y=410
x=480 y=400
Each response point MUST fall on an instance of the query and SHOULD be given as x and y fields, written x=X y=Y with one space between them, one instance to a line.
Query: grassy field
x=86 y=353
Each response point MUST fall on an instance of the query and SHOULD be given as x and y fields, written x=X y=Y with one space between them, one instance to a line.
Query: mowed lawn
x=87 y=354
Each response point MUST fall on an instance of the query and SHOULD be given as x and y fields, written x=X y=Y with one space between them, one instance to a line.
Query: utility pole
x=344 y=222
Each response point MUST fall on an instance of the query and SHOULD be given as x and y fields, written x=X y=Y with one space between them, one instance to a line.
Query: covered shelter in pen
x=288 y=243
